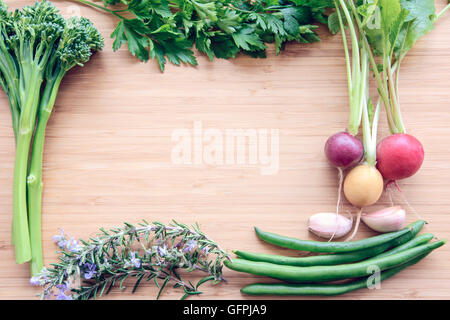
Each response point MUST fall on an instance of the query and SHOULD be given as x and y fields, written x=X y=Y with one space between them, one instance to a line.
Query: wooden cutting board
x=108 y=156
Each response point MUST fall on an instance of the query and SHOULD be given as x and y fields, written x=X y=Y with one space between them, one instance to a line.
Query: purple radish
x=343 y=150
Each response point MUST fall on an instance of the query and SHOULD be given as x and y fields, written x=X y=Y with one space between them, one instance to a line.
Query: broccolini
x=37 y=48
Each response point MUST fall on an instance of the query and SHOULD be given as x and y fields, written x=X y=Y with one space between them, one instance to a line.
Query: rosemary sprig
x=146 y=252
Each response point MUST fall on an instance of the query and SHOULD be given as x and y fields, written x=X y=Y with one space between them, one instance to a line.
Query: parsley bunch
x=168 y=30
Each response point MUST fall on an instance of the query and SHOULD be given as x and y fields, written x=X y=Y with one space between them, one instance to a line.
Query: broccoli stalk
x=37 y=48
x=8 y=72
x=78 y=41
x=34 y=32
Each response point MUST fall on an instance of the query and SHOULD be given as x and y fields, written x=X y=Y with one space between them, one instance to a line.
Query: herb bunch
x=147 y=252
x=170 y=29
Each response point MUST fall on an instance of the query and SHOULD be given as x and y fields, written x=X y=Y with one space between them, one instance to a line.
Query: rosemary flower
x=157 y=252
x=89 y=270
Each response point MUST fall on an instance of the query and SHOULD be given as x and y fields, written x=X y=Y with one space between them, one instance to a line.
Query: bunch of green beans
x=389 y=253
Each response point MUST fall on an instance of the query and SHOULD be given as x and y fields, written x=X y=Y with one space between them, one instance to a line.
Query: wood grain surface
x=109 y=144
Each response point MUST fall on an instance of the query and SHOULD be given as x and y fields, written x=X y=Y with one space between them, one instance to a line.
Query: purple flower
x=35 y=281
x=89 y=270
x=48 y=295
x=162 y=250
x=62 y=286
x=134 y=260
x=73 y=245
x=41 y=279
x=60 y=239
x=179 y=245
x=63 y=296
x=190 y=245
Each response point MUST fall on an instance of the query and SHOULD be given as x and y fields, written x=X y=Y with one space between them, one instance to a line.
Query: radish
x=363 y=185
x=391 y=37
x=399 y=156
x=343 y=150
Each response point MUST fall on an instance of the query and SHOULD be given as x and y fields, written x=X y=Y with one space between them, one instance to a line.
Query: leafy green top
x=392 y=27
x=168 y=30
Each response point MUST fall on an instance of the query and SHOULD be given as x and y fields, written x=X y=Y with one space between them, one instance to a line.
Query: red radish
x=343 y=150
x=399 y=156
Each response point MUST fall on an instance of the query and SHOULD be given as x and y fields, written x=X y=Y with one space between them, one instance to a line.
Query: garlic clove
x=325 y=225
x=385 y=220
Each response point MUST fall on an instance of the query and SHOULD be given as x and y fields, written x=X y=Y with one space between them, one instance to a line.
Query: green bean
x=289 y=289
x=329 y=273
x=420 y=239
x=336 y=247
x=333 y=259
x=320 y=260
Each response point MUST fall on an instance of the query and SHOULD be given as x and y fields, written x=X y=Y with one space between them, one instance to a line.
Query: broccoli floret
x=8 y=66
x=37 y=48
x=36 y=28
x=79 y=39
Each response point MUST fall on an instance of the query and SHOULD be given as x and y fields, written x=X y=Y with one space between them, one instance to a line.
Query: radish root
x=341 y=181
x=402 y=196
x=338 y=205
x=389 y=192
x=358 y=219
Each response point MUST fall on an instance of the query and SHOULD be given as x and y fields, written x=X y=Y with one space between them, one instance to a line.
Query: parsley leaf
x=247 y=39
x=219 y=29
